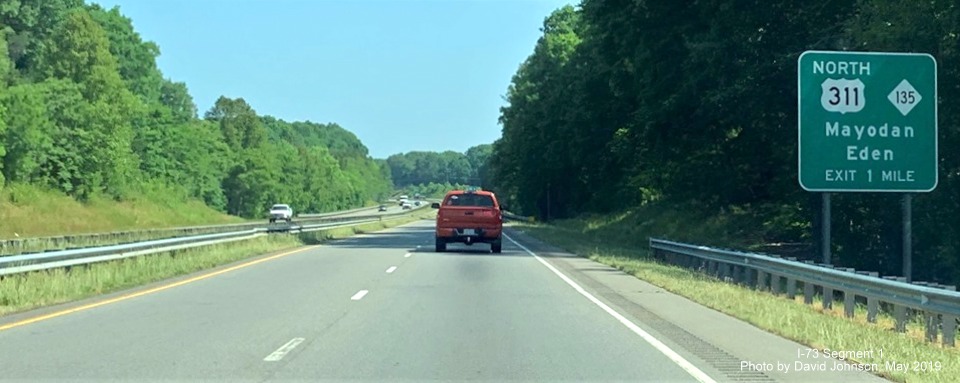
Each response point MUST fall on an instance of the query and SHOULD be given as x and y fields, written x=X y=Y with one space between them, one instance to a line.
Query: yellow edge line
x=147 y=292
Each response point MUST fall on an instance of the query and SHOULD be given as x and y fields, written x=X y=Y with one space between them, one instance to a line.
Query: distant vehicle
x=281 y=212
x=404 y=201
x=417 y=203
x=382 y=208
x=407 y=206
x=418 y=196
x=468 y=216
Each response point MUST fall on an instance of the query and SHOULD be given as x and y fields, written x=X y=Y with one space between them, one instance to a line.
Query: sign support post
x=908 y=237
x=825 y=228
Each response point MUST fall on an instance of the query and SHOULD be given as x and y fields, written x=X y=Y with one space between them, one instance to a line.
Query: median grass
x=624 y=249
x=32 y=211
x=21 y=292
x=343 y=232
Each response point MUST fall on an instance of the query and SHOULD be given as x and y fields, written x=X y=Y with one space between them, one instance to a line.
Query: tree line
x=693 y=106
x=447 y=168
x=85 y=110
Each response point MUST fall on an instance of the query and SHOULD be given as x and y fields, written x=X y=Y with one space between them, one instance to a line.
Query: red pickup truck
x=469 y=217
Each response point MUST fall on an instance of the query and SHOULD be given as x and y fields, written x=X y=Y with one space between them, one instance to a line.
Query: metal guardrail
x=513 y=217
x=27 y=245
x=65 y=258
x=335 y=213
x=939 y=304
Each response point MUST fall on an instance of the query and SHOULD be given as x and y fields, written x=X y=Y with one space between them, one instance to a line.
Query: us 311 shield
x=841 y=95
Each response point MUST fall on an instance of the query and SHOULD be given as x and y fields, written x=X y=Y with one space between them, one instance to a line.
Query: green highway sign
x=867 y=121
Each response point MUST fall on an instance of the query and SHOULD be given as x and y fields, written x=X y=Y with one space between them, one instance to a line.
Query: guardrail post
x=761 y=280
x=827 y=291
x=900 y=312
x=849 y=303
x=791 y=288
x=807 y=292
x=749 y=277
x=776 y=284
x=873 y=306
x=932 y=322
x=949 y=324
x=827 y=297
x=900 y=315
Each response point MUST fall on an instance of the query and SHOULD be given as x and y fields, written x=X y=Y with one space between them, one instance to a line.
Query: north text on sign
x=856 y=68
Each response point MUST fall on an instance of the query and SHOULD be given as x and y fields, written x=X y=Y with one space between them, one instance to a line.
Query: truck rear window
x=478 y=200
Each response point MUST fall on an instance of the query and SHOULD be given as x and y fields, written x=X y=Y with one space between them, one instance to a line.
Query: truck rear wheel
x=441 y=246
x=496 y=246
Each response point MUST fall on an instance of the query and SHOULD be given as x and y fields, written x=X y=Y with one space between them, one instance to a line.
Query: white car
x=407 y=206
x=281 y=212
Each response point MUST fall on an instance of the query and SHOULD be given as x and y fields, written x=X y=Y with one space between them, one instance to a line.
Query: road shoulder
x=726 y=348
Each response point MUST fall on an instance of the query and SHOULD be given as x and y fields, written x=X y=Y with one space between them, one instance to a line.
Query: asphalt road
x=392 y=208
x=385 y=307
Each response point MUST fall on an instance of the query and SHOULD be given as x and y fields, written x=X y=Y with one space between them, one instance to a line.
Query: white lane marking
x=391 y=269
x=283 y=350
x=656 y=343
x=407 y=255
x=359 y=295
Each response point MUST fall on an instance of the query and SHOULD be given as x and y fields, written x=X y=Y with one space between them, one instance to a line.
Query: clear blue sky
x=401 y=75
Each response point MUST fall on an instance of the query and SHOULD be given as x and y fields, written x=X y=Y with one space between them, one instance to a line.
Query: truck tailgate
x=469 y=216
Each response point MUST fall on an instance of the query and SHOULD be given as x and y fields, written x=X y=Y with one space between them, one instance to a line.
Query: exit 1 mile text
x=850 y=175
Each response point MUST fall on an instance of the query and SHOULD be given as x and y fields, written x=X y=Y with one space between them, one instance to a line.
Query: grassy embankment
x=29 y=211
x=22 y=292
x=48 y=220
x=621 y=241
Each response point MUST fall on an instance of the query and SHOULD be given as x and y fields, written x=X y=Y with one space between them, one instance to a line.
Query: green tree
x=6 y=66
x=136 y=58
x=533 y=131
x=79 y=53
x=176 y=97
x=32 y=22
x=241 y=127
x=28 y=141
x=202 y=159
